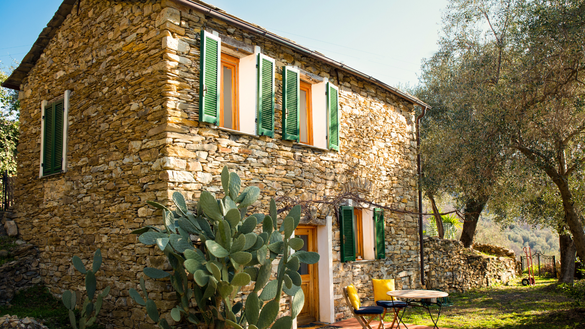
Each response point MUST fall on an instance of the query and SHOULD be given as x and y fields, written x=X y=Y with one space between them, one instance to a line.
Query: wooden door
x=309 y=276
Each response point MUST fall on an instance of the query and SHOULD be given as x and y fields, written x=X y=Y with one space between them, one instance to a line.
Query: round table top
x=414 y=294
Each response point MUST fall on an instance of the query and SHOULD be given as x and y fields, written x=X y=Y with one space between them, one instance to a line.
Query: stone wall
x=451 y=267
x=134 y=135
x=22 y=272
x=377 y=146
x=108 y=54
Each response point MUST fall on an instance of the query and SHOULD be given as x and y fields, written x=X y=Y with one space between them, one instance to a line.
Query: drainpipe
x=420 y=215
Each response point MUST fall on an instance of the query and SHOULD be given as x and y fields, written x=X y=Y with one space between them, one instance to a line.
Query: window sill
x=53 y=174
x=365 y=260
x=234 y=131
x=238 y=132
x=310 y=146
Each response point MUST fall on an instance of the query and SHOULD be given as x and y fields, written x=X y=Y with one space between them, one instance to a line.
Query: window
x=310 y=111
x=305 y=115
x=236 y=92
x=54 y=136
x=362 y=234
x=229 y=91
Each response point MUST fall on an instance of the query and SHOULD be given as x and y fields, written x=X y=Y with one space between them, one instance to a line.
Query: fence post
x=4 y=200
x=538 y=258
x=554 y=267
x=521 y=264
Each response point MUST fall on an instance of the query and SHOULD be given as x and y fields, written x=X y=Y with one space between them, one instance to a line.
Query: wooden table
x=415 y=298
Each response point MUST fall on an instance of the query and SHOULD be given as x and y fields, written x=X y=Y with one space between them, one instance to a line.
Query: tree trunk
x=473 y=209
x=567 y=258
x=571 y=217
x=437 y=216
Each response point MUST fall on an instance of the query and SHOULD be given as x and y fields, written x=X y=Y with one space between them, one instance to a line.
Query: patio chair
x=361 y=312
x=381 y=287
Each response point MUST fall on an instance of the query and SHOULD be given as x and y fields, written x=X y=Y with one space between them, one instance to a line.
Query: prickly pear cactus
x=228 y=254
x=89 y=307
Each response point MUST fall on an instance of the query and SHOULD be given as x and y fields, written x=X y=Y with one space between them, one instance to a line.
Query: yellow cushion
x=352 y=294
x=381 y=287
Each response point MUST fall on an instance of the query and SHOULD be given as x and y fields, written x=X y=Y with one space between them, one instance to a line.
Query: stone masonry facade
x=134 y=135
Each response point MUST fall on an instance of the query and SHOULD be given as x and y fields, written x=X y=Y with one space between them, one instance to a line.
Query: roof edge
x=28 y=62
x=213 y=11
x=15 y=79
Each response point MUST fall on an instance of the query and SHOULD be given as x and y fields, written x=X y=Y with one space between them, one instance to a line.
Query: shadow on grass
x=514 y=306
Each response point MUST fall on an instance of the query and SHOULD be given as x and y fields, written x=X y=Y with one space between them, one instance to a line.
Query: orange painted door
x=309 y=277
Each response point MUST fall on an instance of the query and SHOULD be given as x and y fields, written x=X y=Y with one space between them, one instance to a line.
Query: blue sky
x=386 y=39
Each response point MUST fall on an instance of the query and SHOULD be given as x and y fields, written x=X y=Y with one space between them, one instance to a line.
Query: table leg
x=431 y=315
x=399 y=316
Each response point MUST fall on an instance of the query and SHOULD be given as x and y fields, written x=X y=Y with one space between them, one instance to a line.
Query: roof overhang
x=29 y=61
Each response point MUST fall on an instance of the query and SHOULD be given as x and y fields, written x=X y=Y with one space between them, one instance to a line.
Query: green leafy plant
x=575 y=291
x=70 y=298
x=225 y=255
x=451 y=224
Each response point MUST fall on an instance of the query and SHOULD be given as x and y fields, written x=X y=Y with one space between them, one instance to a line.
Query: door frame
x=312 y=233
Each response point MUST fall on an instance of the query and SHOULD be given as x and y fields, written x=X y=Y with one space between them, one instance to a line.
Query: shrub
x=577 y=292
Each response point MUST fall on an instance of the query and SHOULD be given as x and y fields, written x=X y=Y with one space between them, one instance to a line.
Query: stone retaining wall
x=21 y=273
x=451 y=267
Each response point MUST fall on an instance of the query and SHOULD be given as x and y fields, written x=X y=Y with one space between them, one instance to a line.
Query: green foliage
x=576 y=291
x=517 y=236
x=226 y=254
x=451 y=224
x=9 y=113
x=88 y=308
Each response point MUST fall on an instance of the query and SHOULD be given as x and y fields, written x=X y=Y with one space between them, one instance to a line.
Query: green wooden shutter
x=290 y=104
x=265 y=118
x=380 y=236
x=347 y=234
x=57 y=155
x=48 y=140
x=53 y=139
x=333 y=116
x=209 y=84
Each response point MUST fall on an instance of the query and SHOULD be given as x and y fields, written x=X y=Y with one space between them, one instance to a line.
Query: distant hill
x=515 y=237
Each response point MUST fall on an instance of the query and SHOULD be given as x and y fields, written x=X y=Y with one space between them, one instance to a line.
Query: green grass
x=6 y=242
x=513 y=306
x=38 y=303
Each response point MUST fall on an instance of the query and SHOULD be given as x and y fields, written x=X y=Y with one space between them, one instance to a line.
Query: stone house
x=128 y=101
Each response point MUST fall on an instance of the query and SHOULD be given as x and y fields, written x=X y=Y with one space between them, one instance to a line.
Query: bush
x=577 y=292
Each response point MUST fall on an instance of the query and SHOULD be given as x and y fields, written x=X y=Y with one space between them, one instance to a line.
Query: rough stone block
x=171 y=15
x=11 y=228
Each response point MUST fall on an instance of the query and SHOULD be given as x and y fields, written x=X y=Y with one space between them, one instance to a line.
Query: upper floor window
x=236 y=92
x=310 y=111
x=54 y=136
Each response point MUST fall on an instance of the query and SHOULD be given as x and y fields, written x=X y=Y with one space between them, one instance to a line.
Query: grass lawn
x=513 y=306
x=38 y=303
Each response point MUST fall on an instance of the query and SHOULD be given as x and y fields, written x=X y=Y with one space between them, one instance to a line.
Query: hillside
x=515 y=237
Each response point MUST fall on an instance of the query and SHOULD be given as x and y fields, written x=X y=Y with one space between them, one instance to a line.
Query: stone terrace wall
x=451 y=267
x=377 y=146
x=20 y=273
x=109 y=55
